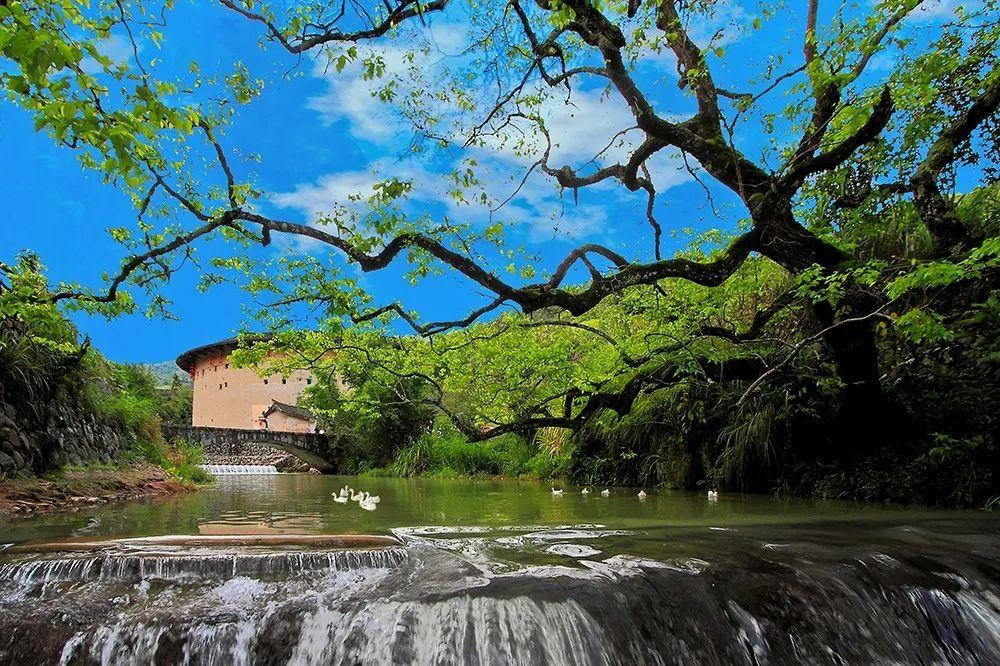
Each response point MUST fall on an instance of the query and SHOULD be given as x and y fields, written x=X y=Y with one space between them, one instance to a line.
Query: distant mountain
x=166 y=371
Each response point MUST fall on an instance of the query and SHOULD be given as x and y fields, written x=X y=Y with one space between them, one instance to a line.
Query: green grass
x=179 y=458
x=447 y=454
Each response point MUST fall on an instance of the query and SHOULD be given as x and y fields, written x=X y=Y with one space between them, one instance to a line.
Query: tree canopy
x=868 y=198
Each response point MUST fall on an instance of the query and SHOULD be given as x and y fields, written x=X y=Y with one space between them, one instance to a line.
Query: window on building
x=309 y=380
x=226 y=384
x=265 y=381
x=284 y=381
x=220 y=387
x=227 y=366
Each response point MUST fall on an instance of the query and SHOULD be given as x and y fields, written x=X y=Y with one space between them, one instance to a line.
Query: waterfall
x=219 y=470
x=421 y=605
x=134 y=568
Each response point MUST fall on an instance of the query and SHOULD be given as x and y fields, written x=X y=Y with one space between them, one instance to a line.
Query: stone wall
x=52 y=433
x=248 y=453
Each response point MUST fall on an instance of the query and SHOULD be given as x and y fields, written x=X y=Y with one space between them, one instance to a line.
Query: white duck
x=557 y=492
x=605 y=493
x=366 y=502
x=713 y=494
x=585 y=491
x=642 y=494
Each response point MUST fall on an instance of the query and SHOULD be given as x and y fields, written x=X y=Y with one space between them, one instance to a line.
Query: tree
x=855 y=142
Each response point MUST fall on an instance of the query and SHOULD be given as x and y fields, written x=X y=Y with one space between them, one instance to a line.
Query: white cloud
x=336 y=194
x=935 y=10
x=580 y=127
x=726 y=24
x=351 y=97
x=329 y=191
x=117 y=48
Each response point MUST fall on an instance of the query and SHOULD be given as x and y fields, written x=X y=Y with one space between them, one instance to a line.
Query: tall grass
x=747 y=441
x=446 y=453
x=180 y=458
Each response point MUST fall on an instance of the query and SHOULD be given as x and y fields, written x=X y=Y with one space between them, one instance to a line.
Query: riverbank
x=75 y=487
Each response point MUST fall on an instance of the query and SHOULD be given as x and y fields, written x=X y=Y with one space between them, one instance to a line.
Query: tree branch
x=407 y=9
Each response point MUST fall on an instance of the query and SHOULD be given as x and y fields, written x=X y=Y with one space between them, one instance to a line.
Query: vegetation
x=180 y=458
x=836 y=337
x=174 y=402
x=42 y=361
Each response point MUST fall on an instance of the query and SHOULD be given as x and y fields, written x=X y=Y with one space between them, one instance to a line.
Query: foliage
x=367 y=430
x=174 y=402
x=446 y=453
x=180 y=458
x=39 y=348
x=780 y=350
x=42 y=359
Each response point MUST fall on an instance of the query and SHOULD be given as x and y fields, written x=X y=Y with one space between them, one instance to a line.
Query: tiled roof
x=291 y=410
x=186 y=360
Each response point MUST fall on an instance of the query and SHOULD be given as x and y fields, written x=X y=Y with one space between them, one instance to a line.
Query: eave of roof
x=291 y=410
x=186 y=360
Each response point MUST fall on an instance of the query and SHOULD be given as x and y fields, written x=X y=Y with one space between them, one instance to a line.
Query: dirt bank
x=72 y=488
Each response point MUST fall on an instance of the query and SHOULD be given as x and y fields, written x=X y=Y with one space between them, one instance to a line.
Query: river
x=497 y=572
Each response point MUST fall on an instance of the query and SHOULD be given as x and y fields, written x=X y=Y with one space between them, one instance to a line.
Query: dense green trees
x=834 y=336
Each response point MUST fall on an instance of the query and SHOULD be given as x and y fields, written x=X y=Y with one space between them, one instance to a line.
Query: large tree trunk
x=862 y=415
x=864 y=418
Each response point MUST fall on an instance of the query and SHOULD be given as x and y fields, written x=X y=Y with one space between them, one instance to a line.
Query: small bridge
x=309 y=447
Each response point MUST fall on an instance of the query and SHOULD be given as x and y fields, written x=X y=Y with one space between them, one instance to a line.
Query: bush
x=192 y=474
x=368 y=439
x=445 y=453
x=174 y=402
x=179 y=458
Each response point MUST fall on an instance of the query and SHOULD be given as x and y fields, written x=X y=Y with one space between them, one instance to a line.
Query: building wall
x=287 y=423
x=230 y=397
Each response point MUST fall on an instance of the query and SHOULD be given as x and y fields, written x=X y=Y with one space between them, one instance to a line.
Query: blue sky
x=320 y=138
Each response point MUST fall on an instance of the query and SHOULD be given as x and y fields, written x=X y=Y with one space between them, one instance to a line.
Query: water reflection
x=295 y=503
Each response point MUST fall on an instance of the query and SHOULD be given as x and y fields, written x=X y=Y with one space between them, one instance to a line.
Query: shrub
x=192 y=474
x=180 y=458
x=446 y=453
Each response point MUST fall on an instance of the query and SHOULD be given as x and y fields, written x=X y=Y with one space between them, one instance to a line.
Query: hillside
x=165 y=371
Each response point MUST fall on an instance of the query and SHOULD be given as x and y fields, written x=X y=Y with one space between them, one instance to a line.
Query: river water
x=497 y=572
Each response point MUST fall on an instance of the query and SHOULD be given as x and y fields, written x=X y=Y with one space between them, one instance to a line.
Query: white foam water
x=419 y=604
x=225 y=470
x=136 y=567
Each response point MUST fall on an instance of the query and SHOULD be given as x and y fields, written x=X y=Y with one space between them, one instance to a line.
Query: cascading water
x=223 y=470
x=133 y=568
x=452 y=596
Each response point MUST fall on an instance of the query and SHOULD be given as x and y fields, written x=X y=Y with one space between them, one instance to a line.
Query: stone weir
x=418 y=604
